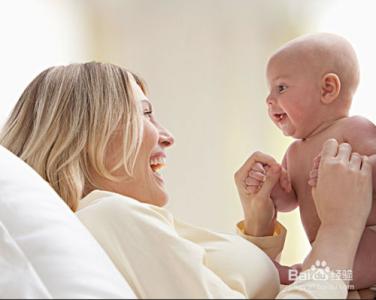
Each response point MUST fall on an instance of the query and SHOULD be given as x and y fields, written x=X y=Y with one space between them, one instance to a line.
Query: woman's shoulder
x=105 y=205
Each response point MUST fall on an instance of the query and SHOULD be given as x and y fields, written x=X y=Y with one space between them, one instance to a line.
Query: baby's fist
x=256 y=177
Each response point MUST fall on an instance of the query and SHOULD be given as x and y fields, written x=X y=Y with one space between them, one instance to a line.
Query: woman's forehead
x=137 y=91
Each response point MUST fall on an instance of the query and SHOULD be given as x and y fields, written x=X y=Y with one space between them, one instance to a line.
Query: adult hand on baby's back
x=255 y=181
x=344 y=186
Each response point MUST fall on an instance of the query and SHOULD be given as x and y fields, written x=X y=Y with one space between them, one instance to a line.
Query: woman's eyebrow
x=147 y=102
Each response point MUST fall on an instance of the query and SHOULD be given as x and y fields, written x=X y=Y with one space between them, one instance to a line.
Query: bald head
x=324 y=53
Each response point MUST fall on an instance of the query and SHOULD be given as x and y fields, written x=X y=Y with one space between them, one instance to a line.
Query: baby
x=312 y=80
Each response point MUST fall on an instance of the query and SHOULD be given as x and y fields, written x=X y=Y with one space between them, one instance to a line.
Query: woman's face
x=146 y=184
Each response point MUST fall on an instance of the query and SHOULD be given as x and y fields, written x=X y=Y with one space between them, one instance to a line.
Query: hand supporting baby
x=339 y=177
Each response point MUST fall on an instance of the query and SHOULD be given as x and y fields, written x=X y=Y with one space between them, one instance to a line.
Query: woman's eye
x=148 y=113
x=282 y=88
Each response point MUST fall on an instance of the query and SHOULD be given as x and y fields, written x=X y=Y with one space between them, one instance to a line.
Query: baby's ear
x=330 y=88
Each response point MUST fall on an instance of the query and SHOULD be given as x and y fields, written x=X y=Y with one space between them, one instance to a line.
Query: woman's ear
x=330 y=88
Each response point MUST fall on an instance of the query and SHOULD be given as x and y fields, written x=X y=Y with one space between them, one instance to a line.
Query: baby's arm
x=286 y=274
x=282 y=194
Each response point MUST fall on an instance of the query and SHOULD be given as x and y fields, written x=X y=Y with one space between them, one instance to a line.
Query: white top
x=162 y=257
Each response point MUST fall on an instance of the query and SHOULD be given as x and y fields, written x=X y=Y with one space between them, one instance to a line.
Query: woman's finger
x=329 y=149
x=312 y=182
x=344 y=152
x=366 y=167
x=313 y=177
x=313 y=174
x=253 y=189
x=316 y=161
x=355 y=161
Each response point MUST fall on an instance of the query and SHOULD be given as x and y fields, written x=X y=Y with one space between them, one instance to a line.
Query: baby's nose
x=270 y=100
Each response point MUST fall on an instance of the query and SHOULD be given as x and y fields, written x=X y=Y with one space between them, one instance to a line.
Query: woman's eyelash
x=148 y=112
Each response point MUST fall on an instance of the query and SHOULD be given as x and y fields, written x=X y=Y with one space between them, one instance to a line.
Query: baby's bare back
x=299 y=164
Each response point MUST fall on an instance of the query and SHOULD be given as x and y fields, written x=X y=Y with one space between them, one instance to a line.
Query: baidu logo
x=320 y=271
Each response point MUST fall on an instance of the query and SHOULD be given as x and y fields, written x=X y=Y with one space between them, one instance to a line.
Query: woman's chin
x=157 y=198
x=162 y=202
x=161 y=199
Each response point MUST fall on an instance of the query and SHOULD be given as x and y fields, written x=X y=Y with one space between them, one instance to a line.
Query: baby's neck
x=323 y=126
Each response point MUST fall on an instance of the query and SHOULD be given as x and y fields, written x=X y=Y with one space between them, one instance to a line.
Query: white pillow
x=63 y=254
x=18 y=279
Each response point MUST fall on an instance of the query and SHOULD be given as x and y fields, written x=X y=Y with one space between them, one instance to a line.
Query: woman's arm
x=256 y=180
x=258 y=207
x=343 y=199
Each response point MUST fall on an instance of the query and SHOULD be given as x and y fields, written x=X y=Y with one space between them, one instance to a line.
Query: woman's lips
x=156 y=165
x=157 y=162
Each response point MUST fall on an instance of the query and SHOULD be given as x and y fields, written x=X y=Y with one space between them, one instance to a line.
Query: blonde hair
x=63 y=121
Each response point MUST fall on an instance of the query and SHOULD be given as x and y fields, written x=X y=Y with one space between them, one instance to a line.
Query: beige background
x=204 y=64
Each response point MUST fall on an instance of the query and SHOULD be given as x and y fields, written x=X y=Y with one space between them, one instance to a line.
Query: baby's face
x=294 y=96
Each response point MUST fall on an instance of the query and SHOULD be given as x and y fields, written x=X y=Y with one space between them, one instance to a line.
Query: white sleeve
x=146 y=249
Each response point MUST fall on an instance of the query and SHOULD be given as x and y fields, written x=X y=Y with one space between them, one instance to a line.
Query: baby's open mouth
x=279 y=117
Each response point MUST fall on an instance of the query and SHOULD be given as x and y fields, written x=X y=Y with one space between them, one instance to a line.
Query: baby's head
x=312 y=80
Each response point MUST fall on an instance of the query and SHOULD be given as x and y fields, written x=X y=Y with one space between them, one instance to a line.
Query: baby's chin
x=288 y=132
x=292 y=132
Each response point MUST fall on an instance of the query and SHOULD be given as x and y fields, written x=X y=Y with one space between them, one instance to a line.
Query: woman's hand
x=344 y=186
x=255 y=181
x=343 y=199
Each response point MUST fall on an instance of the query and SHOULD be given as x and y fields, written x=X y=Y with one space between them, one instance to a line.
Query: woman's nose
x=165 y=137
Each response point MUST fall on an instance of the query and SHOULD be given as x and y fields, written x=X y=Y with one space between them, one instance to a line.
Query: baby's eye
x=282 y=88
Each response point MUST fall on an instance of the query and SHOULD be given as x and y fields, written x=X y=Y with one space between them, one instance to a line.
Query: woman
x=90 y=131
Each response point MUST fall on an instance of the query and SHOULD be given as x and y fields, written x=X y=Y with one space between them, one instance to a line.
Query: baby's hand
x=257 y=175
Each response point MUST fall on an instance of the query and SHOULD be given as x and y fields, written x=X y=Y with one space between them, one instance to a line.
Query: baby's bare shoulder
x=357 y=122
x=361 y=134
x=356 y=127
